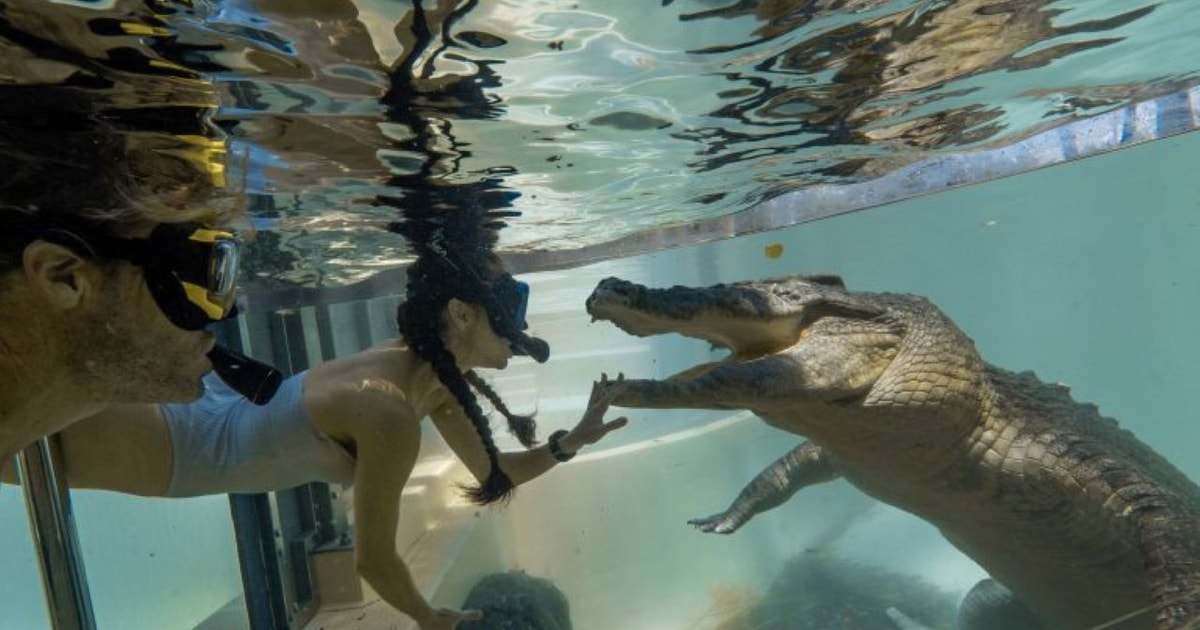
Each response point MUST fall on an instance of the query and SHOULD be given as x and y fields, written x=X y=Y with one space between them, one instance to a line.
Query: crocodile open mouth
x=737 y=353
x=727 y=317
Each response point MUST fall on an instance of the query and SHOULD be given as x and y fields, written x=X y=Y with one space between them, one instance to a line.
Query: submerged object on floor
x=817 y=591
x=515 y=600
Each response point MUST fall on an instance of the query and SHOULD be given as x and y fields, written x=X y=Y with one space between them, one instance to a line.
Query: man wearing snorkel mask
x=357 y=420
x=108 y=273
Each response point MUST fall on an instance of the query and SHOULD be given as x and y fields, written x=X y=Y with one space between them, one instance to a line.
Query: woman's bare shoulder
x=364 y=391
x=384 y=360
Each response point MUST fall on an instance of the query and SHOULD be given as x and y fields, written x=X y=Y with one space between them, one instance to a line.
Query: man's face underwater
x=144 y=335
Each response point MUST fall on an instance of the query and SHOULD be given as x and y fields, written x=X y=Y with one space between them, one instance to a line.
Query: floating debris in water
x=630 y=121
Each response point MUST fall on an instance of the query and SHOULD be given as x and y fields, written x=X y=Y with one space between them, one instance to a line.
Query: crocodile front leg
x=802 y=466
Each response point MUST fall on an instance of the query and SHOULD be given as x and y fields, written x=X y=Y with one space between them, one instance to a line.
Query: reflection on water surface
x=595 y=119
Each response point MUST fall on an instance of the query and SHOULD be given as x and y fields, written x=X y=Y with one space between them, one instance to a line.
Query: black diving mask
x=511 y=296
x=191 y=270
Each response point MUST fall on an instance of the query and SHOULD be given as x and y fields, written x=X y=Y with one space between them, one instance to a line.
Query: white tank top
x=223 y=443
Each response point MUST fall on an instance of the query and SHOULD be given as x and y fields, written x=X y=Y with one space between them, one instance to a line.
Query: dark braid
x=523 y=427
x=419 y=321
x=453 y=230
x=497 y=487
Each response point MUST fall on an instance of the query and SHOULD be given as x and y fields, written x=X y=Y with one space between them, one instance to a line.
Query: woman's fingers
x=598 y=388
x=450 y=617
x=609 y=388
x=604 y=391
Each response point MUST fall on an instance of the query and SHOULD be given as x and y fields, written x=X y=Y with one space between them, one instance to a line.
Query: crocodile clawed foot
x=723 y=523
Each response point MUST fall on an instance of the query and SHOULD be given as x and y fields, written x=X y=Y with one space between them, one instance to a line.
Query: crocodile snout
x=610 y=292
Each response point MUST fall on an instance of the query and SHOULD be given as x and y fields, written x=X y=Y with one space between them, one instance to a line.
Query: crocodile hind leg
x=802 y=466
x=991 y=606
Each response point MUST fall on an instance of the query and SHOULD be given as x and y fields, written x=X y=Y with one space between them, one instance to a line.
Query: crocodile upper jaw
x=712 y=314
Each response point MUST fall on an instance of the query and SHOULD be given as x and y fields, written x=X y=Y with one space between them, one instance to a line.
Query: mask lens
x=522 y=305
x=223 y=271
x=514 y=299
x=197 y=268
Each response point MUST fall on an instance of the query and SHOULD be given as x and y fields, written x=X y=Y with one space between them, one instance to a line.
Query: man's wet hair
x=455 y=260
x=67 y=163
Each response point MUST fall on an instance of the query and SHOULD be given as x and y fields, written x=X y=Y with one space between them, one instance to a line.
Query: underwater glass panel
x=1080 y=272
x=21 y=584
x=666 y=123
x=157 y=564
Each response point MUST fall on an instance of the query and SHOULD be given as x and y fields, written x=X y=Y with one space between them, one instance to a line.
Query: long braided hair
x=523 y=427
x=438 y=275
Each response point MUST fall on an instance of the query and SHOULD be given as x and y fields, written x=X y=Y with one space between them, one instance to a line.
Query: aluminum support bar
x=50 y=518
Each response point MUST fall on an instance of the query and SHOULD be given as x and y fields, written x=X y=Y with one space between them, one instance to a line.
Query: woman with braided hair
x=430 y=372
x=354 y=419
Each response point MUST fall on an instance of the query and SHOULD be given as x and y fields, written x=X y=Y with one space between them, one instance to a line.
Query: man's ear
x=57 y=273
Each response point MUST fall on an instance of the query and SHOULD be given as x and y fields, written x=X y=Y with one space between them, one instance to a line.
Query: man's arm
x=125 y=448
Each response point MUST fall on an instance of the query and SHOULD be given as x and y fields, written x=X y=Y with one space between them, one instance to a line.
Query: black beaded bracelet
x=556 y=450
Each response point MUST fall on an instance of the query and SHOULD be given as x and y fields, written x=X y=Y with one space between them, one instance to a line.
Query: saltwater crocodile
x=1076 y=521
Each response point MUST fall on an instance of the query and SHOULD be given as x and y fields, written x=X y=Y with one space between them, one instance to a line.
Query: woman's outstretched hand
x=448 y=618
x=592 y=427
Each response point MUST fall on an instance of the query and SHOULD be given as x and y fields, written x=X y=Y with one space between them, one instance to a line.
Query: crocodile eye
x=827 y=280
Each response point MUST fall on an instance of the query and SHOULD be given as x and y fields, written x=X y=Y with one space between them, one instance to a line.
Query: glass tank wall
x=1082 y=272
x=151 y=564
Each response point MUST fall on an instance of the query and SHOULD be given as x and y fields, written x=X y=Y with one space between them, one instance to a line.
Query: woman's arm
x=521 y=466
x=386 y=444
